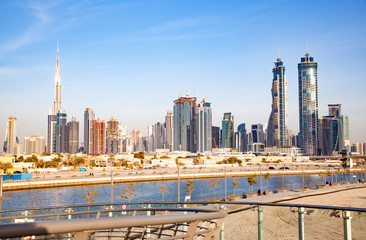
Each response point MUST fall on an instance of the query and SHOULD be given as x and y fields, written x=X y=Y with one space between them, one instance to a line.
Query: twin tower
x=308 y=106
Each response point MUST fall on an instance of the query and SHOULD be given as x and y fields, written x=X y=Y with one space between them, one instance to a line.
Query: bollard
x=260 y=222
x=347 y=225
x=301 y=212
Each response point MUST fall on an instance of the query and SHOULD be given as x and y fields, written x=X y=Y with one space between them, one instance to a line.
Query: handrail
x=111 y=211
x=80 y=225
x=274 y=204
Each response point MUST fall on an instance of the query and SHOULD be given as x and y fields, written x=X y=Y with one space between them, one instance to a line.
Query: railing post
x=260 y=222
x=148 y=213
x=69 y=210
x=185 y=226
x=347 y=225
x=301 y=212
x=222 y=232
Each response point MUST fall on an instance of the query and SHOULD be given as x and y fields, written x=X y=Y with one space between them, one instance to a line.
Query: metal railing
x=165 y=220
x=132 y=223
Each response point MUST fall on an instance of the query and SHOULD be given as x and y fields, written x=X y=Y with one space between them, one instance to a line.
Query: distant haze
x=131 y=59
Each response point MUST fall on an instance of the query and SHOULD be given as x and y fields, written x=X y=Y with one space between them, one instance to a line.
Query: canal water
x=148 y=191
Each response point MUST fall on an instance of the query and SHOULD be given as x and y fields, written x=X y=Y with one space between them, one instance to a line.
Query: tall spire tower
x=57 y=102
x=57 y=117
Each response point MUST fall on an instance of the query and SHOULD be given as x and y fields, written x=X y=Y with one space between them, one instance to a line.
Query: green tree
x=45 y=154
x=140 y=155
x=163 y=189
x=32 y=158
x=129 y=192
x=190 y=189
x=77 y=161
x=111 y=158
x=236 y=183
x=20 y=159
x=267 y=176
x=251 y=180
x=213 y=183
x=5 y=166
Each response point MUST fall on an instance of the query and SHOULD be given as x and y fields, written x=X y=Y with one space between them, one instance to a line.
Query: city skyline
x=138 y=85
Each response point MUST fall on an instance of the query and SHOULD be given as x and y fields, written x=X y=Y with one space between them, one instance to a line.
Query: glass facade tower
x=227 y=134
x=242 y=138
x=204 y=126
x=308 y=105
x=185 y=124
x=277 y=123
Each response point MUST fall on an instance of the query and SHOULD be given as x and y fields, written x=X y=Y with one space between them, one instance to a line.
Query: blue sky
x=131 y=59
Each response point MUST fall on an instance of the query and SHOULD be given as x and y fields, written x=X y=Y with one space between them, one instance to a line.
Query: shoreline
x=38 y=184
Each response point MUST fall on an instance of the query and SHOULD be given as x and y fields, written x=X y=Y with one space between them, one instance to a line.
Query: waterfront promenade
x=281 y=223
x=79 y=178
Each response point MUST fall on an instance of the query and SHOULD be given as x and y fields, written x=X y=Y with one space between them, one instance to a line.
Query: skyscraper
x=89 y=117
x=12 y=145
x=54 y=120
x=227 y=134
x=112 y=136
x=242 y=138
x=204 y=126
x=257 y=134
x=277 y=123
x=73 y=136
x=99 y=137
x=331 y=138
x=169 y=122
x=61 y=140
x=185 y=124
x=308 y=105
x=215 y=137
x=34 y=145
x=347 y=142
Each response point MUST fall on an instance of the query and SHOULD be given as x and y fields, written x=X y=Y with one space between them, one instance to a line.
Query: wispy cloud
x=6 y=71
x=180 y=24
x=179 y=29
x=40 y=19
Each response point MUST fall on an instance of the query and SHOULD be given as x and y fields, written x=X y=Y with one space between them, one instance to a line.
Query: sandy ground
x=282 y=223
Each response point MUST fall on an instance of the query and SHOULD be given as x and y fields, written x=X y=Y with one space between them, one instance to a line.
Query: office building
x=156 y=137
x=89 y=117
x=34 y=145
x=169 y=123
x=256 y=135
x=204 y=126
x=112 y=136
x=99 y=137
x=227 y=131
x=346 y=140
x=277 y=123
x=12 y=145
x=185 y=124
x=242 y=138
x=331 y=140
x=308 y=105
x=61 y=141
x=215 y=137
x=73 y=136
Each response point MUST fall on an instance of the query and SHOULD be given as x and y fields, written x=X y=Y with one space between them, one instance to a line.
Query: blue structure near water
x=22 y=176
